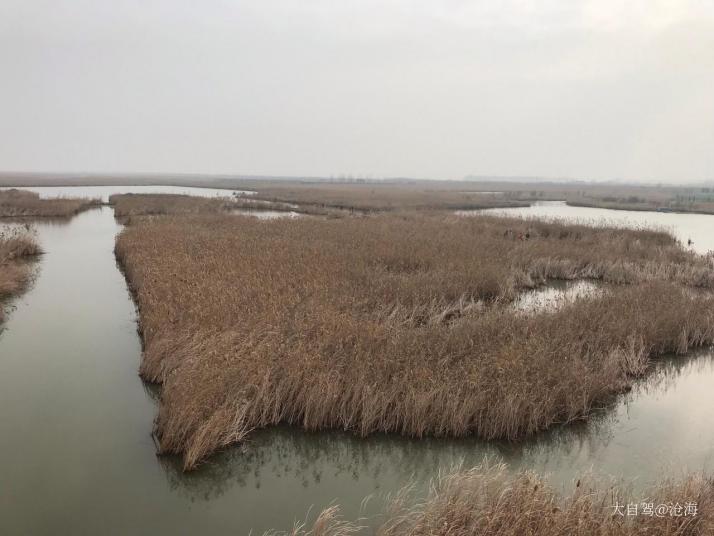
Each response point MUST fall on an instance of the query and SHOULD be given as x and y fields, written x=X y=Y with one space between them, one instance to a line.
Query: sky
x=593 y=89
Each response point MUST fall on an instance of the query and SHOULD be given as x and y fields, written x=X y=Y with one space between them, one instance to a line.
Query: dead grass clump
x=22 y=203
x=396 y=323
x=328 y=523
x=487 y=501
x=16 y=245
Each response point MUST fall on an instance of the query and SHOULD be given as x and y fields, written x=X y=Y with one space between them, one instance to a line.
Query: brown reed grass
x=128 y=205
x=160 y=204
x=375 y=197
x=668 y=204
x=23 y=204
x=329 y=522
x=487 y=501
x=16 y=245
x=397 y=323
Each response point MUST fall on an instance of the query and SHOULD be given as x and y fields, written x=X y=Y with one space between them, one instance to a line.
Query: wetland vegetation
x=127 y=205
x=17 y=246
x=357 y=268
x=408 y=322
x=25 y=204
x=371 y=197
x=486 y=501
x=397 y=323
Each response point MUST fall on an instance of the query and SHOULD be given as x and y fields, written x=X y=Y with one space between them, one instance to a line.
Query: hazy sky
x=590 y=89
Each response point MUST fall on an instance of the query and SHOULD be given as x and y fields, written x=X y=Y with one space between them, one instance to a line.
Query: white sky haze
x=596 y=89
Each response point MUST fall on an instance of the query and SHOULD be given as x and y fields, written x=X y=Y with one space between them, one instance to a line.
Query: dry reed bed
x=377 y=324
x=17 y=244
x=375 y=197
x=22 y=204
x=161 y=204
x=128 y=205
x=486 y=501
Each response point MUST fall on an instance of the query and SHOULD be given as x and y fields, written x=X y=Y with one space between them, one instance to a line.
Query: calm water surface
x=555 y=295
x=698 y=227
x=76 y=456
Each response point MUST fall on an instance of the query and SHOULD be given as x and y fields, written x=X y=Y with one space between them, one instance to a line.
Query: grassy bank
x=644 y=205
x=161 y=204
x=397 y=323
x=23 y=204
x=126 y=205
x=16 y=246
x=375 y=197
x=486 y=501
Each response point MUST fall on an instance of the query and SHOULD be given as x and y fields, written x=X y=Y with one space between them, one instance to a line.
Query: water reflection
x=622 y=439
x=152 y=390
x=556 y=294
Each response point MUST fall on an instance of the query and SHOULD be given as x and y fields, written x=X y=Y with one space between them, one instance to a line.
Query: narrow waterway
x=77 y=456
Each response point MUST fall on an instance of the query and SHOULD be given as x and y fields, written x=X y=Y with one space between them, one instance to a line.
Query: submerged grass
x=397 y=323
x=487 y=501
x=22 y=203
x=16 y=245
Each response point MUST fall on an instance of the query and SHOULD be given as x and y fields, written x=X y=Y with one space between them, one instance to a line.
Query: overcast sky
x=595 y=89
